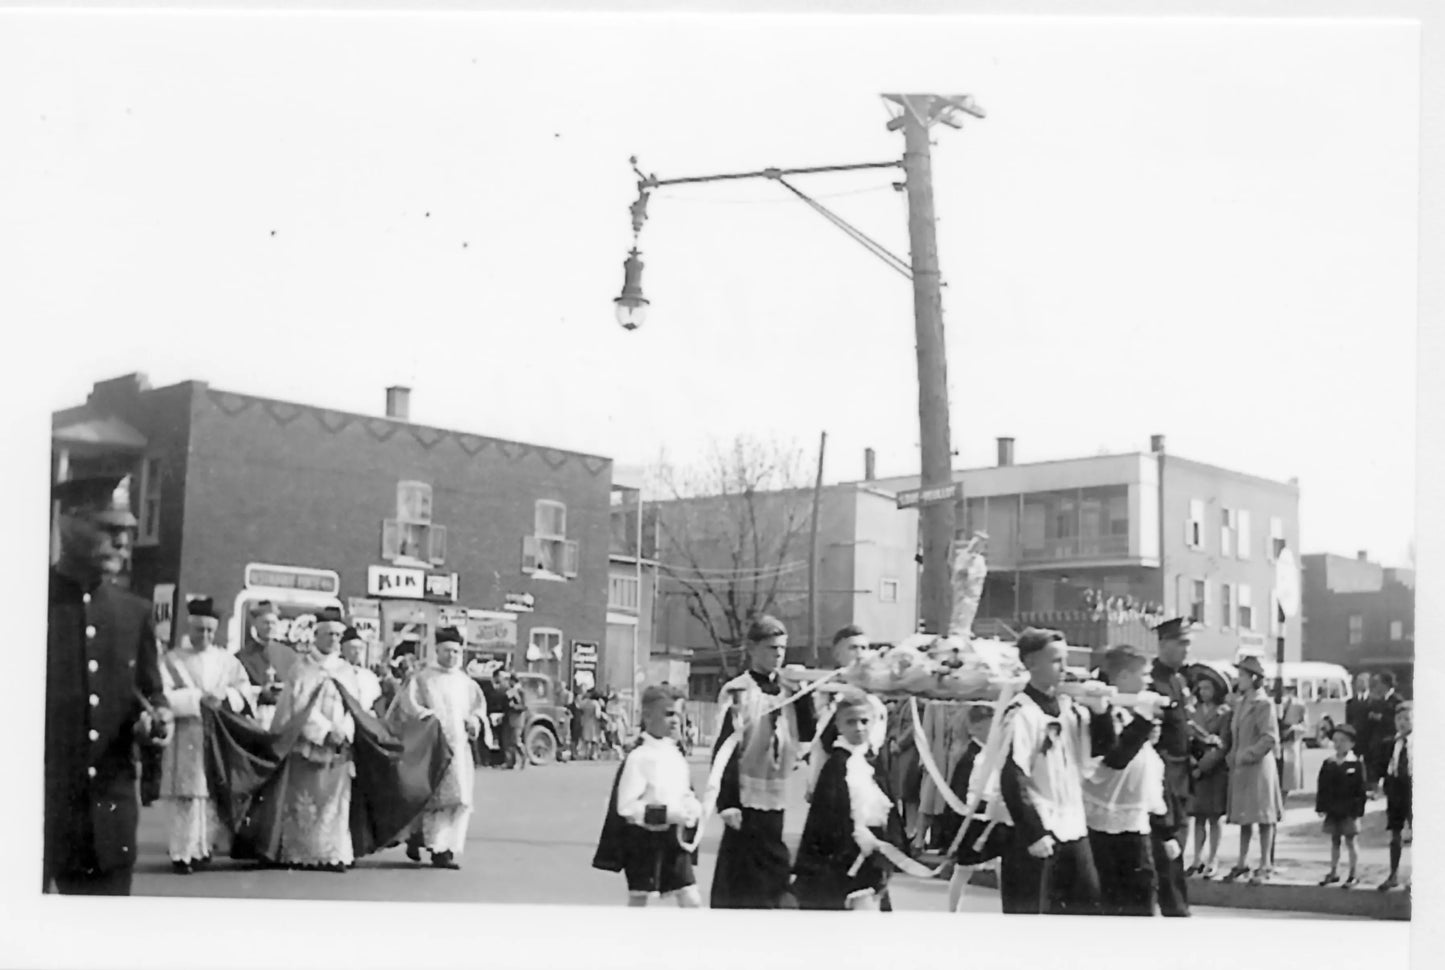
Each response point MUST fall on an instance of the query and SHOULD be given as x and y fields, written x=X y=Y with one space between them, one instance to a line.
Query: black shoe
x=444 y=860
x=182 y=868
x=203 y=862
x=413 y=852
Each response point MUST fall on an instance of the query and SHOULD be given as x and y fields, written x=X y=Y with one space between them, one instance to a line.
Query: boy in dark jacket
x=1340 y=801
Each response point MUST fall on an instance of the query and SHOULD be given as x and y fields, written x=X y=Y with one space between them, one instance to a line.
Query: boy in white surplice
x=197 y=671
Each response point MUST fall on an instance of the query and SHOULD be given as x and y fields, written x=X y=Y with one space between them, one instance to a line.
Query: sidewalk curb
x=1286 y=897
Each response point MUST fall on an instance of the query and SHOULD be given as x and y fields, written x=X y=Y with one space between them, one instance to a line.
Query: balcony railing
x=1072 y=549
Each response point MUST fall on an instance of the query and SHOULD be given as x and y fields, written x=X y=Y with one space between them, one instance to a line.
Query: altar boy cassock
x=753 y=864
x=315 y=788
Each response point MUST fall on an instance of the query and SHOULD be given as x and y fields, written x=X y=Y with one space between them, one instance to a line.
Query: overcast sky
x=1197 y=229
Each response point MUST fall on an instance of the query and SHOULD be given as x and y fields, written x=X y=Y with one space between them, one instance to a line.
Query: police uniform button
x=94 y=700
x=93 y=666
x=85 y=599
x=90 y=771
x=90 y=632
x=94 y=735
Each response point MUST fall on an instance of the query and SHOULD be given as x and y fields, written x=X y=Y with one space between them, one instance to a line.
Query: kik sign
x=396 y=582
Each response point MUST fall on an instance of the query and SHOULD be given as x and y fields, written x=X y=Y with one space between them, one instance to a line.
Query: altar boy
x=847 y=819
x=653 y=808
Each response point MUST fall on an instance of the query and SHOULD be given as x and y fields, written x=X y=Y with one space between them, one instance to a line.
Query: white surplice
x=316 y=791
x=189 y=676
x=456 y=701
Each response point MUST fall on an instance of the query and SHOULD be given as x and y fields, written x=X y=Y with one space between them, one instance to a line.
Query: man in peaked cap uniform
x=1168 y=680
x=103 y=694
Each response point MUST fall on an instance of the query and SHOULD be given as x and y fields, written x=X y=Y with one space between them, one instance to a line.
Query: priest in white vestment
x=445 y=691
x=353 y=651
x=315 y=793
x=196 y=671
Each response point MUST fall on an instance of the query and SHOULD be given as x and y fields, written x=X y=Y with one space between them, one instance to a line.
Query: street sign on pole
x=915 y=497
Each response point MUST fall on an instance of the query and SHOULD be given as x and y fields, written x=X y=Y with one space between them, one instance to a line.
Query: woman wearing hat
x=1210 y=736
x=1254 y=795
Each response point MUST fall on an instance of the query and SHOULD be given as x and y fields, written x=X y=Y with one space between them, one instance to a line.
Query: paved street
x=531 y=841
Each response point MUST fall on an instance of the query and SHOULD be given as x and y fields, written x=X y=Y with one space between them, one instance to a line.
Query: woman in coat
x=1209 y=743
x=1254 y=795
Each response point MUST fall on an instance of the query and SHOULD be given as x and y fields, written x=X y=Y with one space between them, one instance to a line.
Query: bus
x=1324 y=688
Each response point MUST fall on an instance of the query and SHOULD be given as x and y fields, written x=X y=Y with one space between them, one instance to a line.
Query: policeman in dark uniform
x=103 y=694
x=1167 y=679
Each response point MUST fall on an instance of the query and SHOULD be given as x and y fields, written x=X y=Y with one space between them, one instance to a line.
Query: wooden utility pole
x=936 y=521
x=813 y=619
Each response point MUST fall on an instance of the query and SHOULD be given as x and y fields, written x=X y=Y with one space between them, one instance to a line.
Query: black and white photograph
x=509 y=469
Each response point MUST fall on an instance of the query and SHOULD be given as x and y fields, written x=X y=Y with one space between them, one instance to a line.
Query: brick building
x=407 y=527
x=1359 y=614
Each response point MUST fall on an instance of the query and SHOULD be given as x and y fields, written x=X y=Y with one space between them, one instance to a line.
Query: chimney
x=1156 y=444
x=870 y=464
x=398 y=403
x=1005 y=452
x=1363 y=555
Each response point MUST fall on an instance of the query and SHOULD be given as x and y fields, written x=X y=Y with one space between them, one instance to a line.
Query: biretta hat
x=201 y=607
x=330 y=614
x=351 y=633
x=450 y=634
x=107 y=497
x=1175 y=629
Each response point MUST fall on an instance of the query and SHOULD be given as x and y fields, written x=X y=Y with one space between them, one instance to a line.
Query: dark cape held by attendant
x=398 y=767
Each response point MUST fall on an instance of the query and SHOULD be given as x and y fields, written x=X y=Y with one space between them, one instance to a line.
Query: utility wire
x=831 y=195
x=893 y=262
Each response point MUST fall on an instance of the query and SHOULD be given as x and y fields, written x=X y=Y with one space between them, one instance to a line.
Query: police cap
x=106 y=497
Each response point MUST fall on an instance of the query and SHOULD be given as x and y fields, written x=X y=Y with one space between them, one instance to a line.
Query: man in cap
x=315 y=828
x=444 y=691
x=1167 y=679
x=353 y=651
x=103 y=694
x=196 y=673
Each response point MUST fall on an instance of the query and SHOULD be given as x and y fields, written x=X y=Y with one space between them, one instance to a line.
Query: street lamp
x=631 y=306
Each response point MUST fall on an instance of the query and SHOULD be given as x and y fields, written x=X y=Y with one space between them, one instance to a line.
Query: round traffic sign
x=1286 y=583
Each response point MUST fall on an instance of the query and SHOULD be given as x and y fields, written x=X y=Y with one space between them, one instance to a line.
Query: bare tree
x=732 y=537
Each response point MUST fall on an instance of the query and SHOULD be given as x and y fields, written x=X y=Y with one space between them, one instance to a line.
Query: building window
x=624 y=593
x=1196 y=604
x=1241 y=533
x=888 y=591
x=1226 y=532
x=1226 y=606
x=148 y=532
x=1246 y=607
x=411 y=538
x=1276 y=537
x=1397 y=631
x=1357 y=630
x=547 y=551
x=544 y=644
x=1194 y=528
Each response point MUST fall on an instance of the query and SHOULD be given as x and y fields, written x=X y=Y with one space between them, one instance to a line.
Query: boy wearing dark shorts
x=1399 y=778
x=1340 y=796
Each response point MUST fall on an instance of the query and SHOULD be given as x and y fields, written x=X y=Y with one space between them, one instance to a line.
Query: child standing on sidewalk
x=1340 y=801
x=1399 y=776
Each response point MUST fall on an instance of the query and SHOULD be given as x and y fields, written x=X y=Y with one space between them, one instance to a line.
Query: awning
x=100 y=433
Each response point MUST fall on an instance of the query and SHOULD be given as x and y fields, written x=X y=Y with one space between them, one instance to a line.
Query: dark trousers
x=1173 y=886
x=1127 y=881
x=753 y=865
x=113 y=883
x=1066 y=883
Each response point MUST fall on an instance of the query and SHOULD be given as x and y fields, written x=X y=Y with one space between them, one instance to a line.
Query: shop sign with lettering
x=396 y=582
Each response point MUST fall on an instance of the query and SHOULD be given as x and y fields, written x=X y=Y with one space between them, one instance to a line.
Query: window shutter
x=1246 y=607
x=530 y=555
x=569 y=560
x=1242 y=540
x=390 y=539
x=1208 y=601
x=437 y=539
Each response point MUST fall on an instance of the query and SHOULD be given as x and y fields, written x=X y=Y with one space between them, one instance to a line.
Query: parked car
x=541 y=732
